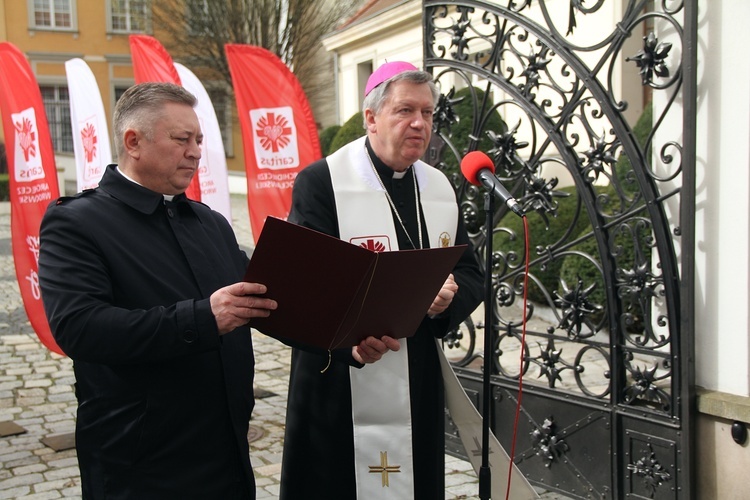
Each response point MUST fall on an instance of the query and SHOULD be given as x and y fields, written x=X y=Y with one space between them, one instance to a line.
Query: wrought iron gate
x=587 y=110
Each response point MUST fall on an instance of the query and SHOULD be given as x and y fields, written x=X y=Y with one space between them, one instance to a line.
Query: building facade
x=50 y=32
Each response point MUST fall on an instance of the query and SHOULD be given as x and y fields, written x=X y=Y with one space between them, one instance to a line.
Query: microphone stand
x=485 y=474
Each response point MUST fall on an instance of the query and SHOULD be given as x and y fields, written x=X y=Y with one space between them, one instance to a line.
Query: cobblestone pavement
x=36 y=393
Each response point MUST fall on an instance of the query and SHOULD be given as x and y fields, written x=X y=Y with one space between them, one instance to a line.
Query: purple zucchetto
x=386 y=72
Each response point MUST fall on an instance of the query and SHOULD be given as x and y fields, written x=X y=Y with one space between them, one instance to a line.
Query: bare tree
x=195 y=31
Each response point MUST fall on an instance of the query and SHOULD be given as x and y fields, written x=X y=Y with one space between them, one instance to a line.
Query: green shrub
x=547 y=273
x=629 y=245
x=575 y=267
x=4 y=187
x=3 y=159
x=624 y=169
x=352 y=129
x=326 y=137
x=460 y=132
x=623 y=243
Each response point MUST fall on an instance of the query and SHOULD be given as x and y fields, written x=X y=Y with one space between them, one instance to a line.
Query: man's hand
x=444 y=297
x=235 y=305
x=372 y=349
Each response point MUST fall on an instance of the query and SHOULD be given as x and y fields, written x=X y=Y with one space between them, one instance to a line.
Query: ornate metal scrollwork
x=547 y=443
x=582 y=107
x=650 y=471
x=547 y=110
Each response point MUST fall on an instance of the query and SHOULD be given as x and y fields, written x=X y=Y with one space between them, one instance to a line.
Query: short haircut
x=140 y=106
x=377 y=96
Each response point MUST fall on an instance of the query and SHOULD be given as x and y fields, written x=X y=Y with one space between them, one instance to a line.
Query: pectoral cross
x=384 y=469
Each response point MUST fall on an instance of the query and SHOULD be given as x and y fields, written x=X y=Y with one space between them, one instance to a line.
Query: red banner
x=279 y=134
x=33 y=177
x=152 y=63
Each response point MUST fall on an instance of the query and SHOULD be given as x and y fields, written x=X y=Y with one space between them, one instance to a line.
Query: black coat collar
x=134 y=195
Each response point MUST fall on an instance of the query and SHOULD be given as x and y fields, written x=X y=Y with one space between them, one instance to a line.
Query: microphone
x=480 y=170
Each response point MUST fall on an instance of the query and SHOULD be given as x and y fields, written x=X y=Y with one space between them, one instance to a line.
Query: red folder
x=332 y=294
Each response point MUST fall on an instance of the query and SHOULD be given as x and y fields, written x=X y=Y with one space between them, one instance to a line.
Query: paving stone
x=28 y=469
x=24 y=480
x=17 y=492
x=42 y=496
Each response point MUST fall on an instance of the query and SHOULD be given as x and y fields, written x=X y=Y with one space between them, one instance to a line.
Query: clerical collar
x=167 y=197
x=117 y=168
x=383 y=170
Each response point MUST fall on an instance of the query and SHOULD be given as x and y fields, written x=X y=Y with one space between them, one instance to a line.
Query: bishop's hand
x=372 y=349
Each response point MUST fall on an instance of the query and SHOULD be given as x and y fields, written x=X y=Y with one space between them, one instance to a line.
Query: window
x=130 y=16
x=57 y=106
x=52 y=14
x=364 y=70
x=119 y=91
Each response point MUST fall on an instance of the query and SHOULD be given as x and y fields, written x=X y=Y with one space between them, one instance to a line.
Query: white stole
x=381 y=410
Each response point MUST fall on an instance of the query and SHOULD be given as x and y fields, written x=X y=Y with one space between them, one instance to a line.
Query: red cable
x=523 y=343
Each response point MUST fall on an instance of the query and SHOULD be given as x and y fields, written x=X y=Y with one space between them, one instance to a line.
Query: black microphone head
x=472 y=163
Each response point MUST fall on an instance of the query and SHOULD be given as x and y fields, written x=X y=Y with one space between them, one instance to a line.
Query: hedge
x=326 y=137
x=4 y=187
x=460 y=131
x=352 y=129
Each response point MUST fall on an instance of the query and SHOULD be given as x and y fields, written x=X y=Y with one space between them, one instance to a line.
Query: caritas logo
x=93 y=168
x=28 y=159
x=275 y=138
x=380 y=243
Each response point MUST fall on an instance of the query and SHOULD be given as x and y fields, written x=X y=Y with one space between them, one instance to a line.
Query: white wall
x=395 y=35
x=723 y=179
x=379 y=54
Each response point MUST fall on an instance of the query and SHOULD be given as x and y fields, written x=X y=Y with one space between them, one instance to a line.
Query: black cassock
x=318 y=461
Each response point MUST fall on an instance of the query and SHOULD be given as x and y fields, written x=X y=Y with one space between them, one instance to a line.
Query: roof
x=369 y=9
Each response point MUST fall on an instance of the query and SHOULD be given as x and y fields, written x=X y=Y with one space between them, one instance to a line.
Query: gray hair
x=140 y=106
x=377 y=96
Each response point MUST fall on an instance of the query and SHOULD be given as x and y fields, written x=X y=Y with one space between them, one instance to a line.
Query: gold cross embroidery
x=384 y=468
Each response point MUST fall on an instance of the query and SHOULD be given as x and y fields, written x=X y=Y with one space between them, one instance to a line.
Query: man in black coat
x=143 y=290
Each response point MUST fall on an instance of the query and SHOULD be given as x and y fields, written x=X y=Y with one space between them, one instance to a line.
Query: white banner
x=470 y=429
x=212 y=171
x=90 y=134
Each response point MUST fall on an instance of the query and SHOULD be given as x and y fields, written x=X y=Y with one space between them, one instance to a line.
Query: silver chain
x=393 y=206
